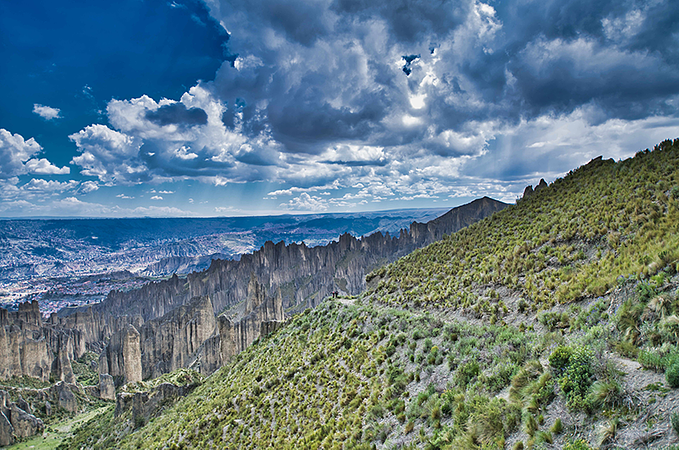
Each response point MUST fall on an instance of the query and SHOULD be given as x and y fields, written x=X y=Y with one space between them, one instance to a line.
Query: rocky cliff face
x=191 y=336
x=29 y=346
x=262 y=313
x=304 y=275
x=161 y=345
x=23 y=347
x=171 y=341
x=16 y=422
x=122 y=356
x=176 y=331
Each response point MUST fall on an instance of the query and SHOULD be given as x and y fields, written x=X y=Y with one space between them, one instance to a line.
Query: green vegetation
x=55 y=434
x=348 y=378
x=575 y=239
x=465 y=343
x=85 y=371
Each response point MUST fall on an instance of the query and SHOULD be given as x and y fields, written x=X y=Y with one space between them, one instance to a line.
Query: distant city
x=75 y=262
x=54 y=294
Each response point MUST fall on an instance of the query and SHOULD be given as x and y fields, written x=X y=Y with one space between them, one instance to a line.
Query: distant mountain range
x=163 y=246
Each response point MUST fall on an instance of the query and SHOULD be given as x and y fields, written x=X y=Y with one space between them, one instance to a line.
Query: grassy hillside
x=568 y=241
x=529 y=329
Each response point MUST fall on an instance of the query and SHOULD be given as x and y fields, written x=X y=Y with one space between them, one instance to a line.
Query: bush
x=557 y=427
x=467 y=372
x=577 y=445
x=672 y=375
x=576 y=375
x=559 y=359
x=606 y=393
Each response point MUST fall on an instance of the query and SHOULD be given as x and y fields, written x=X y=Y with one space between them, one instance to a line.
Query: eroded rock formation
x=16 y=422
x=262 y=313
x=122 y=356
x=304 y=275
x=161 y=327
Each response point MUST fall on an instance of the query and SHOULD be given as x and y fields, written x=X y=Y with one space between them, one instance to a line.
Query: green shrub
x=557 y=428
x=559 y=359
x=576 y=376
x=672 y=375
x=467 y=372
x=579 y=444
x=606 y=393
x=626 y=349
x=530 y=425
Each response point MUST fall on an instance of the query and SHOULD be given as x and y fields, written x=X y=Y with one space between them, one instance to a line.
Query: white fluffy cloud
x=49 y=187
x=14 y=152
x=88 y=186
x=43 y=167
x=16 y=157
x=46 y=112
x=109 y=155
x=341 y=103
x=305 y=202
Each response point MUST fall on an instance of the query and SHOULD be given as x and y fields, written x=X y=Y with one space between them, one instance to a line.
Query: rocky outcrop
x=25 y=424
x=161 y=345
x=530 y=191
x=142 y=406
x=541 y=185
x=6 y=431
x=29 y=346
x=62 y=368
x=107 y=389
x=122 y=356
x=16 y=422
x=132 y=355
x=23 y=347
x=65 y=397
x=262 y=312
x=171 y=341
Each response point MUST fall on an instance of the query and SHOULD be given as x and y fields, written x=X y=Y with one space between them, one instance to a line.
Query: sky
x=233 y=107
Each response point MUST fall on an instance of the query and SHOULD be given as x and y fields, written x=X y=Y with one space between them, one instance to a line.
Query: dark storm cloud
x=505 y=62
x=408 y=21
x=177 y=114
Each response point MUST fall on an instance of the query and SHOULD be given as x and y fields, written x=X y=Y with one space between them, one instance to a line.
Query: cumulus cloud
x=40 y=190
x=14 y=151
x=87 y=186
x=46 y=112
x=109 y=155
x=43 y=167
x=16 y=154
x=306 y=202
x=345 y=102
x=51 y=186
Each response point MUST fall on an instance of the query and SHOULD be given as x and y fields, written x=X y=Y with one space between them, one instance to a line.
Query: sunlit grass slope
x=337 y=376
x=572 y=239
x=426 y=359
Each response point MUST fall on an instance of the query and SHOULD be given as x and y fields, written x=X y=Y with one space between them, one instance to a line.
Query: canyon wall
x=171 y=323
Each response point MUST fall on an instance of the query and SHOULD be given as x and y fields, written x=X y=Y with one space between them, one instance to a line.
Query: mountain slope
x=565 y=242
x=524 y=330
